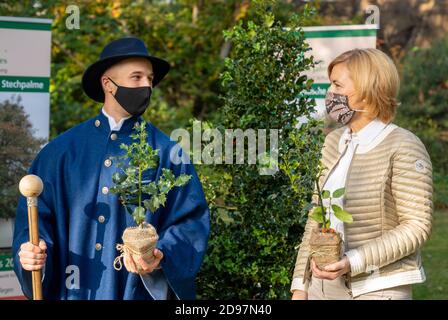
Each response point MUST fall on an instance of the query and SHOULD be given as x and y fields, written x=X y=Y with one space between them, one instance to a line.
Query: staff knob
x=31 y=186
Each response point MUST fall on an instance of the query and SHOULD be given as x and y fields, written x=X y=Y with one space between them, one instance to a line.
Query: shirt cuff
x=297 y=284
x=356 y=262
x=43 y=273
x=156 y=284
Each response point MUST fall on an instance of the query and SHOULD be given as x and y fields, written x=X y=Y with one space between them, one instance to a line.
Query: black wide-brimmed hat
x=114 y=52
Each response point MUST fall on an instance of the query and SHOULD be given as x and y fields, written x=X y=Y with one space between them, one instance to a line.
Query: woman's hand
x=332 y=271
x=299 y=295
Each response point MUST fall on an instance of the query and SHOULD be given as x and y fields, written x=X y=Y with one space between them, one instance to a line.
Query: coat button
x=113 y=136
x=108 y=163
x=105 y=190
x=97 y=123
x=101 y=219
x=98 y=247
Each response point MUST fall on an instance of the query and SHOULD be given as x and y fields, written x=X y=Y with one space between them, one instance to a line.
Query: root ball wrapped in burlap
x=139 y=242
x=325 y=248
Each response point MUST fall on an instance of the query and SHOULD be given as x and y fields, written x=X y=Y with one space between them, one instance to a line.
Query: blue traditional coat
x=81 y=221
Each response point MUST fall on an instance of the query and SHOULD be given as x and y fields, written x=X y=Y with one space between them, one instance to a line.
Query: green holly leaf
x=139 y=215
x=128 y=210
x=165 y=186
x=148 y=205
x=168 y=175
x=162 y=199
x=154 y=203
x=269 y=20
x=150 y=188
x=118 y=178
x=182 y=180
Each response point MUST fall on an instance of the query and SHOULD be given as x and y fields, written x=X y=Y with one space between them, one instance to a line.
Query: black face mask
x=133 y=100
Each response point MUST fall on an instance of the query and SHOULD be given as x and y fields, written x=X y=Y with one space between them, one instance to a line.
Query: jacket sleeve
x=184 y=233
x=411 y=187
x=21 y=232
x=300 y=277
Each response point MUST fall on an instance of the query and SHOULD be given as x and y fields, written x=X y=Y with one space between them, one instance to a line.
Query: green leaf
x=317 y=215
x=342 y=215
x=128 y=209
x=182 y=180
x=150 y=188
x=168 y=174
x=118 y=178
x=325 y=194
x=155 y=202
x=148 y=205
x=162 y=199
x=338 y=193
x=336 y=208
x=269 y=20
x=124 y=146
x=139 y=215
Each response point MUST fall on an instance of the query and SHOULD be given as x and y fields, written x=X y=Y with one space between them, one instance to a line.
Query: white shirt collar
x=366 y=135
x=114 y=126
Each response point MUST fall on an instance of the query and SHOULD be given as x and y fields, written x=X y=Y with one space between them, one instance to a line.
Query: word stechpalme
x=224 y=309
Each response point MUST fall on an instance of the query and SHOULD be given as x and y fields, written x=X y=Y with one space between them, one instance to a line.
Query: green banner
x=6 y=262
x=340 y=33
x=25 y=25
x=24 y=84
x=318 y=90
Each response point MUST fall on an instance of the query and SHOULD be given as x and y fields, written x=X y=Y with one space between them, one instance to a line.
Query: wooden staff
x=31 y=187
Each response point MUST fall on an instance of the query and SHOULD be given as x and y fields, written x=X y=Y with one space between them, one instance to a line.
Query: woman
x=387 y=175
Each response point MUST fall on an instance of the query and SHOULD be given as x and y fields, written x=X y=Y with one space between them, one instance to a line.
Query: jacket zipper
x=323 y=184
x=334 y=166
x=348 y=276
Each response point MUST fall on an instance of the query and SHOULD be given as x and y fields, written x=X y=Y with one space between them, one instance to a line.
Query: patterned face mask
x=338 y=108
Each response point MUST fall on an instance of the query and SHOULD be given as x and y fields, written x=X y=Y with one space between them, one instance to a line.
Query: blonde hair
x=376 y=80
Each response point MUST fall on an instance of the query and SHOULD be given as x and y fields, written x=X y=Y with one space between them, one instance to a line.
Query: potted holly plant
x=140 y=197
x=325 y=242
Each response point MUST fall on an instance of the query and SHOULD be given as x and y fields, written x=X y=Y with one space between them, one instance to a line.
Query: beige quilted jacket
x=389 y=194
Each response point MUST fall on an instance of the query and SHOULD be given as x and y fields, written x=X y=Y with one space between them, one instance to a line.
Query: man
x=81 y=221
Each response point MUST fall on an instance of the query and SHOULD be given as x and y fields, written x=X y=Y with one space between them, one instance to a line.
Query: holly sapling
x=325 y=243
x=139 y=196
x=318 y=212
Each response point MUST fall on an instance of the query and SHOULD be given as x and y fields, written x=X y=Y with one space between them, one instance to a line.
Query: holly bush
x=257 y=220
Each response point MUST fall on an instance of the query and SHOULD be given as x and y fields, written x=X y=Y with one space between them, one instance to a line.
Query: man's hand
x=131 y=263
x=332 y=271
x=33 y=257
x=299 y=295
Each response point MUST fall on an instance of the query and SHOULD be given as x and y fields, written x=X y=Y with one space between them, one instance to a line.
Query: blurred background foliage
x=189 y=34
x=18 y=146
x=423 y=109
